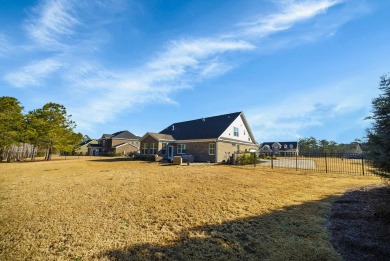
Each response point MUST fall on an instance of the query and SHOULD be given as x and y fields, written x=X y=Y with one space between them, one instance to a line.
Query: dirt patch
x=359 y=224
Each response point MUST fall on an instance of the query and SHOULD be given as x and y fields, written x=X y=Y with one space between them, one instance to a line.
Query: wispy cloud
x=291 y=13
x=52 y=23
x=4 y=45
x=192 y=56
x=172 y=69
x=299 y=111
x=34 y=73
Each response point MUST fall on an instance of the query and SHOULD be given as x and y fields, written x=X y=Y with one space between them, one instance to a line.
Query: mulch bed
x=359 y=224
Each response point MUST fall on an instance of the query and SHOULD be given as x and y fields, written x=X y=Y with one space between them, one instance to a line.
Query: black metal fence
x=348 y=163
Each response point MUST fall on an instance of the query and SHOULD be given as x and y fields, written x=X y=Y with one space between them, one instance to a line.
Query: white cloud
x=194 y=56
x=53 y=22
x=291 y=13
x=4 y=45
x=295 y=113
x=35 y=73
x=181 y=62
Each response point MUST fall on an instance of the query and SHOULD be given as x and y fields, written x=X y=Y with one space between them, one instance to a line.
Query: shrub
x=247 y=158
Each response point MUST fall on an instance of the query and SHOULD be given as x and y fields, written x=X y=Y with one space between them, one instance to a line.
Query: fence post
x=272 y=160
x=362 y=164
x=326 y=164
x=254 y=159
x=296 y=162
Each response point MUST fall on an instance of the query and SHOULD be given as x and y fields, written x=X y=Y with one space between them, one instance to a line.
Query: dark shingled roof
x=84 y=142
x=204 y=128
x=124 y=135
x=282 y=143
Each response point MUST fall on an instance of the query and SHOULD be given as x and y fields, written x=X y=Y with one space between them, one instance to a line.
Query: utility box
x=177 y=160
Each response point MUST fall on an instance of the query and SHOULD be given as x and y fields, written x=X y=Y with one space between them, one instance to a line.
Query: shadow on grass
x=359 y=224
x=293 y=233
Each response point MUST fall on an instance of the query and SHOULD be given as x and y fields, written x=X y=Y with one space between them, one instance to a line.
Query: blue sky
x=295 y=68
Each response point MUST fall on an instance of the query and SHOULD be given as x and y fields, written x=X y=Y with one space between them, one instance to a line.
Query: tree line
x=314 y=145
x=46 y=129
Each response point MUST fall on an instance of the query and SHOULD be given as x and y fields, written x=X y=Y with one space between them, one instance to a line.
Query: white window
x=153 y=148
x=164 y=148
x=285 y=146
x=291 y=146
x=235 y=131
x=211 y=148
x=144 y=149
x=181 y=148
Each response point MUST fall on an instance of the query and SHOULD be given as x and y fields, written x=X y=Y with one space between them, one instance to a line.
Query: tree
x=379 y=134
x=333 y=147
x=307 y=144
x=52 y=129
x=324 y=145
x=11 y=124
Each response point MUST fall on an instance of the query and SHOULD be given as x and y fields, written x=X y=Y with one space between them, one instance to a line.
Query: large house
x=288 y=148
x=121 y=142
x=212 y=139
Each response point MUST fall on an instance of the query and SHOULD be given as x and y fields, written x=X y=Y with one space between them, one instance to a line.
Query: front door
x=170 y=152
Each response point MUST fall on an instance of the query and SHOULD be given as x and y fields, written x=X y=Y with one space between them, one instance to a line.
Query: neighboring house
x=121 y=142
x=212 y=139
x=289 y=148
x=83 y=147
x=357 y=152
x=94 y=149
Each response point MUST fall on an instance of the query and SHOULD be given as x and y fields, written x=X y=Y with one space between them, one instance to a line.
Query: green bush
x=247 y=158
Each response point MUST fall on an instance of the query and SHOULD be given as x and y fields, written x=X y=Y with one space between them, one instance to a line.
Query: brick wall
x=199 y=150
x=226 y=149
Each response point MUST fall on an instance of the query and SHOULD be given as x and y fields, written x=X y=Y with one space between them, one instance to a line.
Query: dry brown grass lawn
x=112 y=209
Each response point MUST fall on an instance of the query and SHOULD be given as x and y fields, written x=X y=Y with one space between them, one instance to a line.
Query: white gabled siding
x=243 y=132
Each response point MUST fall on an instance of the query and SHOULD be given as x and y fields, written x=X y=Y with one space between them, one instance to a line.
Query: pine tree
x=52 y=129
x=379 y=134
x=11 y=125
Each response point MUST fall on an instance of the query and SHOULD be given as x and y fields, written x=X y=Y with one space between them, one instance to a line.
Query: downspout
x=216 y=151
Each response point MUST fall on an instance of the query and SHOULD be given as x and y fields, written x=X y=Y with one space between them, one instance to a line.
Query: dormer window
x=291 y=146
x=285 y=146
x=236 y=133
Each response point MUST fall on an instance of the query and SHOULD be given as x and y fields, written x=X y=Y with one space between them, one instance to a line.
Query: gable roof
x=121 y=135
x=158 y=136
x=204 y=128
x=87 y=142
x=281 y=143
